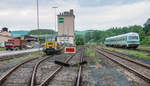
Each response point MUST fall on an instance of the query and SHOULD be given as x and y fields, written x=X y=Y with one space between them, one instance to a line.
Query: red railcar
x=15 y=44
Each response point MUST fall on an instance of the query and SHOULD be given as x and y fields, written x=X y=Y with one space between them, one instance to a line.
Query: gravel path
x=107 y=75
x=121 y=76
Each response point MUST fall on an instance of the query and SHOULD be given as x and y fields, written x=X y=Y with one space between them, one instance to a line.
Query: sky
x=89 y=14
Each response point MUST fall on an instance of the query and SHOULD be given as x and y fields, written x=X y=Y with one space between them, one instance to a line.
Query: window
x=50 y=43
x=8 y=43
x=132 y=37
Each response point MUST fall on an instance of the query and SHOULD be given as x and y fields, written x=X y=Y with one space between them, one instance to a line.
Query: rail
x=137 y=72
x=33 y=79
x=79 y=76
x=3 y=78
x=45 y=82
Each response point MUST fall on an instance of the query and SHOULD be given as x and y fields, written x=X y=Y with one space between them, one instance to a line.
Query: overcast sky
x=89 y=14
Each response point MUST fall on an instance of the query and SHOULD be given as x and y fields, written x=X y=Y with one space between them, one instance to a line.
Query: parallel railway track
x=79 y=76
x=63 y=75
x=53 y=74
x=146 y=51
x=25 y=73
x=139 y=68
x=19 y=75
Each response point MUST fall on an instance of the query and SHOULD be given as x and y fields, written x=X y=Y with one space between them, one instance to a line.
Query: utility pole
x=38 y=25
x=55 y=17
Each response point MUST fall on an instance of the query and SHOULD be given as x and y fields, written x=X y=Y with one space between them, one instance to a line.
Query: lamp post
x=37 y=8
x=55 y=16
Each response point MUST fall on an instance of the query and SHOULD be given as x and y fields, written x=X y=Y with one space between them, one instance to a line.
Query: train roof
x=127 y=34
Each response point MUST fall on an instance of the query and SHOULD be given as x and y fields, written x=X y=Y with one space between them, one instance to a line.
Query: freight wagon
x=15 y=44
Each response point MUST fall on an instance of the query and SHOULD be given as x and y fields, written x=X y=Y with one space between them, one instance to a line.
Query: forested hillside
x=99 y=36
x=41 y=32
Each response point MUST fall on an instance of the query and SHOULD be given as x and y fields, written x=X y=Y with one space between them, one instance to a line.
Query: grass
x=19 y=59
x=91 y=52
x=140 y=55
x=144 y=47
x=2 y=49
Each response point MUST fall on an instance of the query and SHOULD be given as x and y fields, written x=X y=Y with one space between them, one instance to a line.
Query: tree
x=146 y=40
x=99 y=36
x=41 y=32
x=79 y=41
x=88 y=36
x=147 y=29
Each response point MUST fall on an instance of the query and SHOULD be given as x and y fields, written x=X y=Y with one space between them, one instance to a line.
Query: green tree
x=146 y=40
x=147 y=29
x=41 y=32
x=79 y=41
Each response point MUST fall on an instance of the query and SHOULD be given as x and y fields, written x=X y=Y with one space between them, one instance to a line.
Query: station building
x=66 y=27
x=5 y=35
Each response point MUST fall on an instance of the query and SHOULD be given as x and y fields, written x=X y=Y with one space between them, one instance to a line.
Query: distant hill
x=41 y=32
x=19 y=33
x=83 y=32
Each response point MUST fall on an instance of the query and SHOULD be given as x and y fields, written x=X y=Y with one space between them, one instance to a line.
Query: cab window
x=50 y=43
x=133 y=38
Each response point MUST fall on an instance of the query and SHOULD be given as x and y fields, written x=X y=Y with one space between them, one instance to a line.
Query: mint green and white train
x=128 y=40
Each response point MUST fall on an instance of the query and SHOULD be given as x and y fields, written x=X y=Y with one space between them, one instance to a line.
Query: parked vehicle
x=128 y=40
x=15 y=44
x=52 y=47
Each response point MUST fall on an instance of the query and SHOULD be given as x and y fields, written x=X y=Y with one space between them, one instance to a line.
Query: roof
x=131 y=33
x=27 y=37
x=6 y=34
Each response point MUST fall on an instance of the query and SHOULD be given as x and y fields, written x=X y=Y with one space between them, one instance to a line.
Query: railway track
x=20 y=74
x=79 y=76
x=64 y=76
x=140 y=69
x=146 y=51
x=28 y=73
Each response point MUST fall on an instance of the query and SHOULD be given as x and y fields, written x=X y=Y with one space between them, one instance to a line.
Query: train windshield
x=133 y=38
x=50 y=43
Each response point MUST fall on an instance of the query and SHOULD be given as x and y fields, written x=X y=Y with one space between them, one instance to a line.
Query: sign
x=70 y=49
x=61 y=20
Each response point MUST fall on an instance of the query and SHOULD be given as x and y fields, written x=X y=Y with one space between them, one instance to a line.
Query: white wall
x=65 y=40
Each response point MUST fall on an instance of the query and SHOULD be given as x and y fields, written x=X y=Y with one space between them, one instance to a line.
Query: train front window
x=133 y=38
x=50 y=43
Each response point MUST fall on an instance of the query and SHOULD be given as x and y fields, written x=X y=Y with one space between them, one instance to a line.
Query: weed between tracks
x=92 y=53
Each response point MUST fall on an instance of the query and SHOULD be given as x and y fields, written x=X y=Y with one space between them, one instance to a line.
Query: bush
x=79 y=41
x=146 y=40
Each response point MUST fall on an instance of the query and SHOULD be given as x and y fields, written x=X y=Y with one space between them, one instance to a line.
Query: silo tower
x=66 y=27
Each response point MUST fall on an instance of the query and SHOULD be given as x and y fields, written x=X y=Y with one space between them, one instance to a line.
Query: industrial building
x=66 y=27
x=4 y=36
